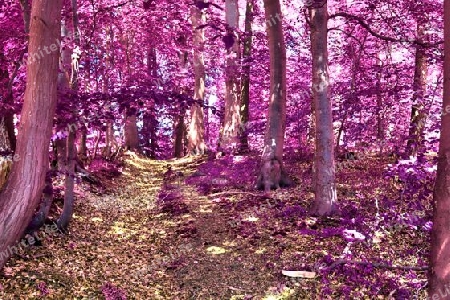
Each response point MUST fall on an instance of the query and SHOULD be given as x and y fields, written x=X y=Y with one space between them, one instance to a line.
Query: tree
x=22 y=192
x=417 y=122
x=439 y=277
x=272 y=173
x=196 y=139
x=71 y=153
x=245 y=79
x=232 y=117
x=324 y=166
x=131 y=130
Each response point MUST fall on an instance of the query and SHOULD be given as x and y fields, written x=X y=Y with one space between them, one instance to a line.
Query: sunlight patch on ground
x=214 y=250
x=251 y=219
x=283 y=294
x=261 y=251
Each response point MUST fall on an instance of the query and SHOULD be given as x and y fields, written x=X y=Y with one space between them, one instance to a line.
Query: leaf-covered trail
x=152 y=237
x=205 y=234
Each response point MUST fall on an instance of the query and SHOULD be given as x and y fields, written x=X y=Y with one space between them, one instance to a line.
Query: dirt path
x=151 y=238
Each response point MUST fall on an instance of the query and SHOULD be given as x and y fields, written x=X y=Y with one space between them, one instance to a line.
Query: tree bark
x=180 y=129
x=71 y=154
x=69 y=184
x=417 y=121
x=150 y=127
x=245 y=83
x=82 y=151
x=150 y=121
x=109 y=139
x=26 y=14
x=8 y=136
x=379 y=111
x=196 y=139
x=44 y=209
x=324 y=164
x=272 y=174
x=232 y=118
x=97 y=141
x=131 y=131
x=22 y=192
x=439 y=276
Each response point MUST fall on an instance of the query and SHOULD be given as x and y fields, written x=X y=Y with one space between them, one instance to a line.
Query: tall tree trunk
x=179 y=131
x=82 y=151
x=150 y=121
x=417 y=121
x=131 y=130
x=109 y=137
x=150 y=127
x=179 y=122
x=196 y=139
x=272 y=174
x=245 y=84
x=380 y=125
x=22 y=192
x=325 y=189
x=71 y=153
x=232 y=118
x=69 y=184
x=439 y=277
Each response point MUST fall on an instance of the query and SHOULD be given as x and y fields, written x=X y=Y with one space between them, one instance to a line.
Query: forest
x=224 y=149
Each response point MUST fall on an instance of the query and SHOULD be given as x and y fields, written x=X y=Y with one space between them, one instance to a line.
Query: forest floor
x=201 y=231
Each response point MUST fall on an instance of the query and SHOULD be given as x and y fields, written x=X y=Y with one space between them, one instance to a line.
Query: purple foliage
x=42 y=287
x=112 y=292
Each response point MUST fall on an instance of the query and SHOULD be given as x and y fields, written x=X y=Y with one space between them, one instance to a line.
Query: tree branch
x=366 y=26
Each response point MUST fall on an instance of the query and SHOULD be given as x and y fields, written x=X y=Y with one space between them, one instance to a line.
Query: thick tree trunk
x=245 y=83
x=439 y=276
x=109 y=138
x=272 y=174
x=196 y=139
x=232 y=118
x=150 y=127
x=61 y=154
x=180 y=133
x=23 y=190
x=325 y=189
x=180 y=129
x=82 y=151
x=131 y=131
x=417 y=121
